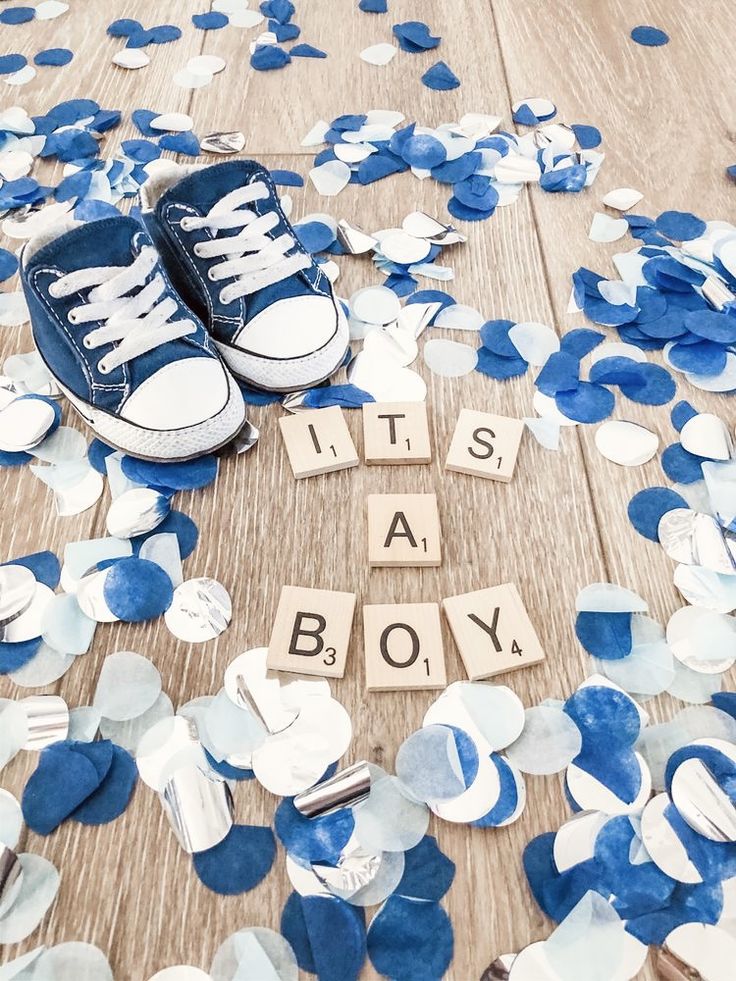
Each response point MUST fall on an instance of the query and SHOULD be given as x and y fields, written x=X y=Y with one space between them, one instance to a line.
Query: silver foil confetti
x=346 y=788
x=199 y=806
x=695 y=539
x=246 y=438
x=29 y=623
x=353 y=239
x=11 y=877
x=48 y=720
x=17 y=588
x=136 y=512
x=701 y=802
x=200 y=610
x=223 y=143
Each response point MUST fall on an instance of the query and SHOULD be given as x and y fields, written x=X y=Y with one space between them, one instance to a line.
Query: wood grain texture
x=669 y=129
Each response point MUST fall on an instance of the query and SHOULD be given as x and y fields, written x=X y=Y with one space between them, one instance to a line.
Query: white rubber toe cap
x=182 y=393
x=291 y=328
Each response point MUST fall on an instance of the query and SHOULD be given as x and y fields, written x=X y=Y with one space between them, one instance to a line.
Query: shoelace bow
x=253 y=259
x=133 y=315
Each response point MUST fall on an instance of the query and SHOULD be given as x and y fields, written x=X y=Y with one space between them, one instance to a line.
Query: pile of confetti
x=134 y=574
x=484 y=168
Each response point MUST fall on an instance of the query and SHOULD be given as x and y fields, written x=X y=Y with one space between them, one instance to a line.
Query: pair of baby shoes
x=147 y=328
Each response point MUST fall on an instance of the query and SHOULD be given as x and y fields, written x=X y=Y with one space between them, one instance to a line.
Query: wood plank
x=280 y=107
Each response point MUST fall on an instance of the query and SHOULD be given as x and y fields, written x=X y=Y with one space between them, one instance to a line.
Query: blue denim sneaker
x=235 y=259
x=132 y=359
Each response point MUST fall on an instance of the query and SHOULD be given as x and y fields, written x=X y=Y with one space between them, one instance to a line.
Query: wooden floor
x=669 y=124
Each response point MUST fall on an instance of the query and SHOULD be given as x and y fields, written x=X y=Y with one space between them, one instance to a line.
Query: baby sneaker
x=131 y=358
x=235 y=259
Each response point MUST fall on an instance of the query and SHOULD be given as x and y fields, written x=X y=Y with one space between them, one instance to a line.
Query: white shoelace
x=130 y=315
x=253 y=260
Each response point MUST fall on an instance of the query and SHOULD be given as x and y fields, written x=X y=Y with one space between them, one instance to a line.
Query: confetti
x=306 y=51
x=650 y=37
x=440 y=78
x=239 y=862
x=211 y=21
x=268 y=57
x=379 y=54
x=414 y=36
x=11 y=63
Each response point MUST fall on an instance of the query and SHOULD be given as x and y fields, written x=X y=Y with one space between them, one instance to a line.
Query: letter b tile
x=311 y=632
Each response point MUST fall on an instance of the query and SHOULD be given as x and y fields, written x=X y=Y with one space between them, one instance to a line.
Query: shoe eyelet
x=53 y=291
x=225 y=297
x=72 y=317
x=186 y=224
x=197 y=250
x=211 y=275
x=86 y=342
x=102 y=367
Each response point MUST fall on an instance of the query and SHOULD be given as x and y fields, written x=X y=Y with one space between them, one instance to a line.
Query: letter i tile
x=318 y=441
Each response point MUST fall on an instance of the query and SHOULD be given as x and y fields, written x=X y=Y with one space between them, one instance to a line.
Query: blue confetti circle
x=410 y=941
x=681 y=226
x=187 y=475
x=54 y=56
x=650 y=37
x=136 y=589
x=646 y=508
x=113 y=795
x=11 y=63
x=239 y=862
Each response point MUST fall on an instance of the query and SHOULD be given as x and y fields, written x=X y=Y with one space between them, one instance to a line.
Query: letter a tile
x=485 y=445
x=403 y=530
x=403 y=647
x=311 y=632
x=318 y=441
x=493 y=631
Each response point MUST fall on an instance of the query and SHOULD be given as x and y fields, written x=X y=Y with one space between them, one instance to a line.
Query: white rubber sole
x=288 y=374
x=170 y=445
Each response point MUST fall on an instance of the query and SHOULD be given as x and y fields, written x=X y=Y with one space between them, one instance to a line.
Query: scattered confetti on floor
x=649 y=851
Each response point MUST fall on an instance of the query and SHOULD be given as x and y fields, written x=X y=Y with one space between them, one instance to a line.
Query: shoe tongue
x=204 y=188
x=96 y=243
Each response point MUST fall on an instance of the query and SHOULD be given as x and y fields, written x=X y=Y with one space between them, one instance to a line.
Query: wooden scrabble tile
x=311 y=632
x=493 y=631
x=318 y=441
x=403 y=530
x=396 y=432
x=485 y=445
x=403 y=647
